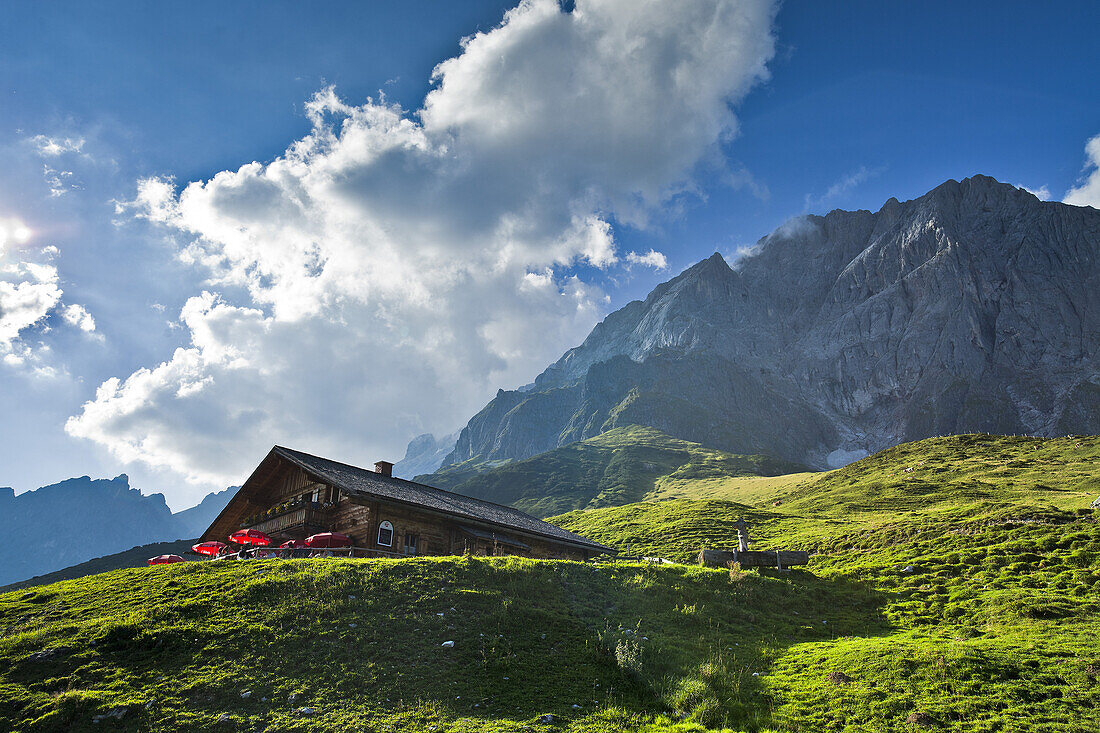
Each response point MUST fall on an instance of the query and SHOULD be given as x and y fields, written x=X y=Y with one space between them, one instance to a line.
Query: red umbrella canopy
x=292 y=543
x=328 y=539
x=250 y=537
x=209 y=548
x=164 y=559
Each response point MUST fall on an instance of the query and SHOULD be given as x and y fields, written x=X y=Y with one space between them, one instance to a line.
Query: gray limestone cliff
x=975 y=307
x=424 y=454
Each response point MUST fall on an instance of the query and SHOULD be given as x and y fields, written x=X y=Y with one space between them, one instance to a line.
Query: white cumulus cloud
x=400 y=266
x=30 y=292
x=78 y=316
x=1088 y=192
x=652 y=258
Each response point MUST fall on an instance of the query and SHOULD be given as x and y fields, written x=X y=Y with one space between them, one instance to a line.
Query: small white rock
x=448 y=644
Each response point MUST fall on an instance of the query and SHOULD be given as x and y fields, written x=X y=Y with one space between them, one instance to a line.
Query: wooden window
x=385 y=534
x=412 y=543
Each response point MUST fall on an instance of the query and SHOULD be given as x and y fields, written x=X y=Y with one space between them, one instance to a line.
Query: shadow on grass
x=366 y=640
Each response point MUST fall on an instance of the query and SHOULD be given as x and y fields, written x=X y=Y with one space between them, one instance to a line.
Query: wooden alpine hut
x=292 y=495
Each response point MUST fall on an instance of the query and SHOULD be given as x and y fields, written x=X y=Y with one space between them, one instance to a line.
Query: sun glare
x=14 y=231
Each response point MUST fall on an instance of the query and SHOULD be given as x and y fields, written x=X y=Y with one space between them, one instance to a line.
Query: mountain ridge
x=973 y=308
x=78 y=519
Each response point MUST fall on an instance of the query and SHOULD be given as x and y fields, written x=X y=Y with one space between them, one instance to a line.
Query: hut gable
x=285 y=474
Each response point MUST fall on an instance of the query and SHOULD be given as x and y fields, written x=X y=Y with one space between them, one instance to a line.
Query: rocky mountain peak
x=425 y=453
x=973 y=308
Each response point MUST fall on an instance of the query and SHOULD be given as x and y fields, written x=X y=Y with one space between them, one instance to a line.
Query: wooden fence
x=781 y=559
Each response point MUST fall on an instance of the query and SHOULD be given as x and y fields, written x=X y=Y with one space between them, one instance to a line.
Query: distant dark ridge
x=135 y=557
x=89 y=518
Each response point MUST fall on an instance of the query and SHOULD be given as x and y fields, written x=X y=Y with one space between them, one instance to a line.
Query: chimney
x=383 y=467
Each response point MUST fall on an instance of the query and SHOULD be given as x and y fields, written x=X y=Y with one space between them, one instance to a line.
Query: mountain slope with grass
x=965 y=599
x=621 y=466
x=950 y=479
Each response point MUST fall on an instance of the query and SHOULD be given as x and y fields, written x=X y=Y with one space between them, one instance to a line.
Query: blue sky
x=420 y=298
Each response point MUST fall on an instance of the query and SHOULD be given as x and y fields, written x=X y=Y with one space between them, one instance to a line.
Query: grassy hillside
x=948 y=479
x=984 y=551
x=621 y=466
x=634 y=464
x=946 y=474
x=359 y=642
x=962 y=595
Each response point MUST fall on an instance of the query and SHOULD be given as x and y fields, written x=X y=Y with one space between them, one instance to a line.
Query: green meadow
x=952 y=587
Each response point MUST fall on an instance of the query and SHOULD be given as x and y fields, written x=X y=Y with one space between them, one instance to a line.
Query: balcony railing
x=307 y=514
x=303 y=552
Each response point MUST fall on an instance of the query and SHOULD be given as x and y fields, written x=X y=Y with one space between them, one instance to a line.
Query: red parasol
x=209 y=548
x=328 y=539
x=292 y=544
x=164 y=559
x=250 y=537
